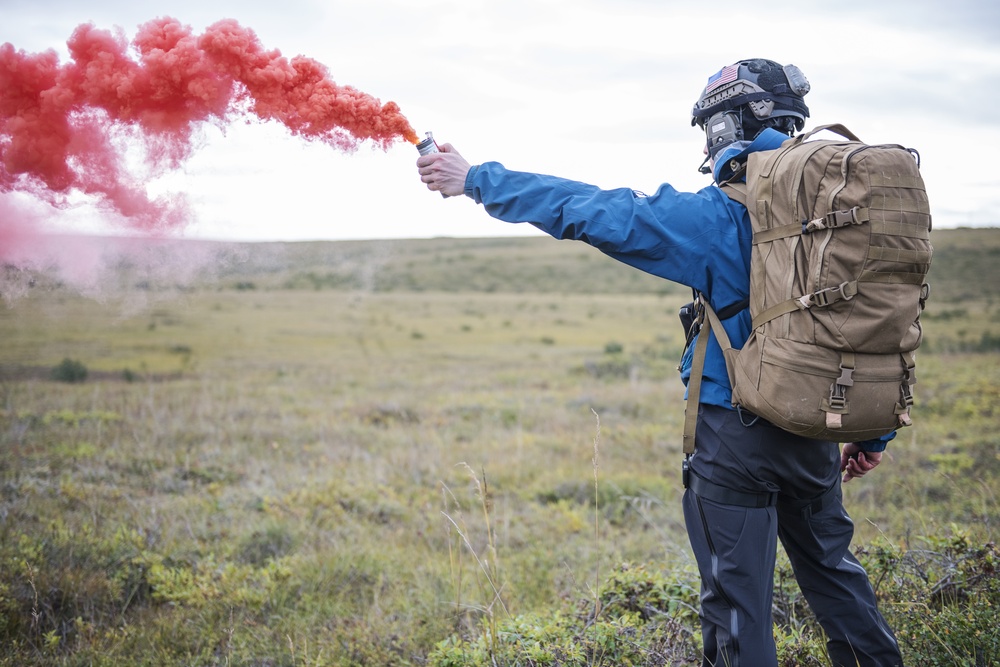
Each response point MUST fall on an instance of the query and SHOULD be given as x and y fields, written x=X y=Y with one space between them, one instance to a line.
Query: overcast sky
x=596 y=91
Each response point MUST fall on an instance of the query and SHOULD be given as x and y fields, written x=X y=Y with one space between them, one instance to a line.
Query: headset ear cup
x=721 y=130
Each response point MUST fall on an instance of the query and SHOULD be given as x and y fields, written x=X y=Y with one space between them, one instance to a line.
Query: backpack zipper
x=845 y=172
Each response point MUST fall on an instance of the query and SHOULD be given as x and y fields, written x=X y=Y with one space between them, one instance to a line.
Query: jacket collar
x=767 y=140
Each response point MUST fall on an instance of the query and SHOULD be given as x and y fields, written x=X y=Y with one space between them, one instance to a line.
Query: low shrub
x=941 y=602
x=69 y=370
x=641 y=617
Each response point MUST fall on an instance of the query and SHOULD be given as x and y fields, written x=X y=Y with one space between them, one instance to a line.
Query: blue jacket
x=700 y=239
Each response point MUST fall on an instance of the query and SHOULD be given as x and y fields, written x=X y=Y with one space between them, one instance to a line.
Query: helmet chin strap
x=705 y=168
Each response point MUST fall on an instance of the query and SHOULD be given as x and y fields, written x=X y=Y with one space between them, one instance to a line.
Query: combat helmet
x=742 y=99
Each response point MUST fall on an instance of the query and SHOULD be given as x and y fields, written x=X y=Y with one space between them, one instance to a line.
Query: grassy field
x=405 y=452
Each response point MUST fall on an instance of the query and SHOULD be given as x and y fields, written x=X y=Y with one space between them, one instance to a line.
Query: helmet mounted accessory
x=723 y=129
x=742 y=99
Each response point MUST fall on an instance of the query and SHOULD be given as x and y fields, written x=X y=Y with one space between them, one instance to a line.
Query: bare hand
x=855 y=463
x=444 y=172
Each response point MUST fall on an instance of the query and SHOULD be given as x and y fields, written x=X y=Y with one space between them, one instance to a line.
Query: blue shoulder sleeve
x=697 y=239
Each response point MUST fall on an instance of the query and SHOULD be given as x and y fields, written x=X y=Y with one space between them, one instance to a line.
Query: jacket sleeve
x=696 y=239
x=876 y=444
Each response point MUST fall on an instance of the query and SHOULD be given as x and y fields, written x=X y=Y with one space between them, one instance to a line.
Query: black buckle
x=832 y=220
x=842 y=218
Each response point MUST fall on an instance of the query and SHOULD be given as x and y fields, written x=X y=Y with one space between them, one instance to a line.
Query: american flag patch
x=725 y=75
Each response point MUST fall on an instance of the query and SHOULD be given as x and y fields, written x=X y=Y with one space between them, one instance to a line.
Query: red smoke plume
x=65 y=128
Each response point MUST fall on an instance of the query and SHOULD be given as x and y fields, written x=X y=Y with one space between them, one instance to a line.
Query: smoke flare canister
x=428 y=145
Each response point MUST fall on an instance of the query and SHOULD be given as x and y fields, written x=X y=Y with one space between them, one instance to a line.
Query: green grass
x=267 y=468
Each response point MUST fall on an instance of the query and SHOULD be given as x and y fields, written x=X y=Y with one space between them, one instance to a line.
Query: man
x=751 y=482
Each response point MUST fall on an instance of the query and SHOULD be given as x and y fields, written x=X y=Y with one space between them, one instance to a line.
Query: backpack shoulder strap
x=736 y=191
x=711 y=323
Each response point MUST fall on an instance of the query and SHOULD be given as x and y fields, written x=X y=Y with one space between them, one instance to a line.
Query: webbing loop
x=740 y=410
x=925 y=293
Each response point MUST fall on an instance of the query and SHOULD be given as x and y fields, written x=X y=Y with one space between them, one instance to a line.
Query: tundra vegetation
x=430 y=452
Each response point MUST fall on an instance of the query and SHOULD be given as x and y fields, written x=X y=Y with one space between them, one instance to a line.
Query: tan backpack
x=841 y=250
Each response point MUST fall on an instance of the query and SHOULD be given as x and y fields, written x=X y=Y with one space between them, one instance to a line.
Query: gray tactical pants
x=786 y=488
